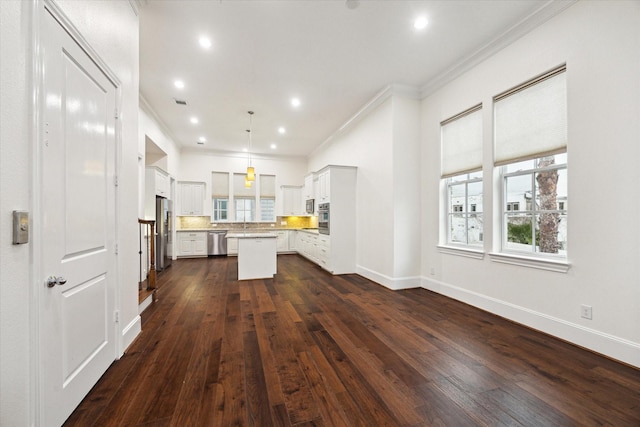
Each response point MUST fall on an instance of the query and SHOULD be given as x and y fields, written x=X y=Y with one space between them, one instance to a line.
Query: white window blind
x=267 y=186
x=462 y=142
x=239 y=190
x=220 y=185
x=531 y=120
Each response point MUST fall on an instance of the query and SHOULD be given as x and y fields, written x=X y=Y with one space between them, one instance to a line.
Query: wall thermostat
x=20 y=227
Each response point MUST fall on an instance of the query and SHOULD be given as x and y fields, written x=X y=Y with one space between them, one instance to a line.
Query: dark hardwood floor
x=308 y=348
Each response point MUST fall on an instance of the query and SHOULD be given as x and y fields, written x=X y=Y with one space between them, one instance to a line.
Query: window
x=267 y=198
x=462 y=176
x=220 y=209
x=465 y=214
x=267 y=210
x=244 y=199
x=540 y=185
x=245 y=209
x=530 y=152
x=220 y=196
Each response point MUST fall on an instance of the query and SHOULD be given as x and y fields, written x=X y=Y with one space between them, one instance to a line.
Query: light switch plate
x=20 y=227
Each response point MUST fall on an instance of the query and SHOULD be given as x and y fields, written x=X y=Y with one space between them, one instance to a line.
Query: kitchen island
x=257 y=255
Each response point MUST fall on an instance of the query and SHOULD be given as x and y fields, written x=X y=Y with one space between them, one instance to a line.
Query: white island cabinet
x=257 y=255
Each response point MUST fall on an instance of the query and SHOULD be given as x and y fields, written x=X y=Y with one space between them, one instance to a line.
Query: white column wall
x=407 y=186
x=16 y=135
x=600 y=43
x=152 y=129
x=368 y=145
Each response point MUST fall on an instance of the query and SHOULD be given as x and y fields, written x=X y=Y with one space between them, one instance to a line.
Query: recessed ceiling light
x=282 y=130
x=202 y=139
x=295 y=102
x=274 y=146
x=420 y=23
x=205 y=42
x=194 y=120
x=245 y=149
x=179 y=84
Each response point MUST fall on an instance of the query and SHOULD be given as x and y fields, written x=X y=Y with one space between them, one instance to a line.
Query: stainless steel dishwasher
x=217 y=243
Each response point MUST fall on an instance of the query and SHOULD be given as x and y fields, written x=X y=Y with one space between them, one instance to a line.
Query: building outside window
x=462 y=178
x=531 y=156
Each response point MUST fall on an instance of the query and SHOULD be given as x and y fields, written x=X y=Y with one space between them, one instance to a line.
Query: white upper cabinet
x=292 y=203
x=308 y=190
x=191 y=198
x=324 y=186
x=157 y=182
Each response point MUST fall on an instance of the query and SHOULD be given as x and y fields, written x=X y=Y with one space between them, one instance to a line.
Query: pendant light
x=251 y=173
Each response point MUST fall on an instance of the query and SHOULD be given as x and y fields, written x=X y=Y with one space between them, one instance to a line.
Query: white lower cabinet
x=293 y=241
x=232 y=246
x=282 y=242
x=192 y=244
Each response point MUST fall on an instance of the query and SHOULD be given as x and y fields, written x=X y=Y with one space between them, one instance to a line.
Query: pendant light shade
x=251 y=173
x=247 y=183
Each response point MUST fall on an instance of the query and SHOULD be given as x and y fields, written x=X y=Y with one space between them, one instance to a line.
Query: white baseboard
x=130 y=332
x=609 y=345
x=394 y=283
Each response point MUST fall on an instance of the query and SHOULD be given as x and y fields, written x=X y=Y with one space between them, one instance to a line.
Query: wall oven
x=323 y=218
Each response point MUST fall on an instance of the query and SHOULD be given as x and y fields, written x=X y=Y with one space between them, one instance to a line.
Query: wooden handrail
x=151 y=283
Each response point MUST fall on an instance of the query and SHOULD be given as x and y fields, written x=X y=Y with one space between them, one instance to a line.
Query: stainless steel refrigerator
x=164 y=243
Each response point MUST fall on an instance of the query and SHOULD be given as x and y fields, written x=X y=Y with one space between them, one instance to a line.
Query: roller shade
x=220 y=185
x=531 y=120
x=239 y=190
x=462 y=142
x=268 y=186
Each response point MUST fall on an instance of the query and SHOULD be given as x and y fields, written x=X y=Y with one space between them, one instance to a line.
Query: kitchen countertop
x=255 y=230
x=250 y=235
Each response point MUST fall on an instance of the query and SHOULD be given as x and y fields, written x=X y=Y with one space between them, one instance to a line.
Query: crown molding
x=144 y=105
x=239 y=155
x=401 y=90
x=518 y=30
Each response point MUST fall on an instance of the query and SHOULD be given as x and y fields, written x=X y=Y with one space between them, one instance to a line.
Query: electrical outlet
x=432 y=271
x=586 y=312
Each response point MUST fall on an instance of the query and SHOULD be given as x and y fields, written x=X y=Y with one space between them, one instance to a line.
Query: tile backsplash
x=282 y=222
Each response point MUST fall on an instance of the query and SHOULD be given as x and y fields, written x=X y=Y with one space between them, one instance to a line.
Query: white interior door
x=77 y=324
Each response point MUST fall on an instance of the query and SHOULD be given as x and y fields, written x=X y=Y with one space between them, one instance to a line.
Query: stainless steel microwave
x=310 y=206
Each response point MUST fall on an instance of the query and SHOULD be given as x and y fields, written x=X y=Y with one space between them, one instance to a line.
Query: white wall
x=383 y=143
x=196 y=165
x=15 y=194
x=600 y=43
x=151 y=128
x=111 y=29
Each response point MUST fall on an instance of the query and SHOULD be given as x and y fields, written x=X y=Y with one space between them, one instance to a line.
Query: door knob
x=53 y=280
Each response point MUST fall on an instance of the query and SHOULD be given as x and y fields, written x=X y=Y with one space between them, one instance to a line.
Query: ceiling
x=334 y=56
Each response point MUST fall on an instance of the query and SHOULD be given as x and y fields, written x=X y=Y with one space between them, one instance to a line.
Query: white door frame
x=41 y=7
